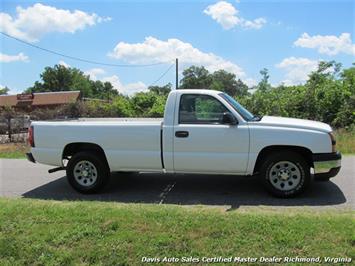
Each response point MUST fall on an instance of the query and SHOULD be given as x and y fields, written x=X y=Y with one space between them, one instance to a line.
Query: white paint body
x=134 y=144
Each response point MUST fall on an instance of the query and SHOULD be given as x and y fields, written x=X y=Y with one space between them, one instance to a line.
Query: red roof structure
x=40 y=99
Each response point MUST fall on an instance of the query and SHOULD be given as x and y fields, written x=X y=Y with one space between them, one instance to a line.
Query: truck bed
x=127 y=142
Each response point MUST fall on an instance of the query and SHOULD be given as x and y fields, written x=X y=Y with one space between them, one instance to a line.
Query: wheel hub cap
x=85 y=173
x=284 y=175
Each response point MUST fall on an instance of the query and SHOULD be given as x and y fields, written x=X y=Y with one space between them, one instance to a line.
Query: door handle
x=181 y=134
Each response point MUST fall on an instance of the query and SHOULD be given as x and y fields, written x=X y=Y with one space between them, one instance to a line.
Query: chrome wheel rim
x=285 y=175
x=85 y=173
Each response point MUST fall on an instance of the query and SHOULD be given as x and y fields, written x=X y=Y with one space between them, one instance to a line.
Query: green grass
x=13 y=150
x=35 y=232
x=345 y=140
x=13 y=155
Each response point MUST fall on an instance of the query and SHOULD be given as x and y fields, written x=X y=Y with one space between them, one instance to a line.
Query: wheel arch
x=75 y=147
x=303 y=151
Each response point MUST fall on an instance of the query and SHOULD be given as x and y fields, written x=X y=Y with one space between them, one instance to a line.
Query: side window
x=200 y=109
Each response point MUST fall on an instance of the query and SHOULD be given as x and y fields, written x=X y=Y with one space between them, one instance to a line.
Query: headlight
x=333 y=141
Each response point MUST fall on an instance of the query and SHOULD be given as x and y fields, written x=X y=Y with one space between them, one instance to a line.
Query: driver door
x=202 y=143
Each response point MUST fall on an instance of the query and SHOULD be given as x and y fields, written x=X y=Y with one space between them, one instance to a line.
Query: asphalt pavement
x=20 y=178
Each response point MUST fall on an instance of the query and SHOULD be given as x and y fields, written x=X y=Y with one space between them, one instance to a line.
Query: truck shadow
x=182 y=189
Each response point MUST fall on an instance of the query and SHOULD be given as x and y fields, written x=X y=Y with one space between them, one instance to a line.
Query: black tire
x=285 y=174
x=100 y=172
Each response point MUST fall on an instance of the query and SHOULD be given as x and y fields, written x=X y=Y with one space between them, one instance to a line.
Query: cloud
x=227 y=15
x=155 y=50
x=126 y=89
x=297 y=69
x=257 y=23
x=132 y=88
x=327 y=44
x=114 y=80
x=64 y=64
x=94 y=72
x=4 y=58
x=224 y=13
x=250 y=82
x=32 y=23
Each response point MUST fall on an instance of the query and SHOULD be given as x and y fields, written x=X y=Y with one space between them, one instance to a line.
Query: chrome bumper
x=326 y=165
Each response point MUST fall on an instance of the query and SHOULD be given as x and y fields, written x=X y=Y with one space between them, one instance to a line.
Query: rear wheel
x=87 y=172
x=285 y=174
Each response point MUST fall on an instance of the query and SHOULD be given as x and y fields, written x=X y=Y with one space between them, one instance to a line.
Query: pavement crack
x=165 y=192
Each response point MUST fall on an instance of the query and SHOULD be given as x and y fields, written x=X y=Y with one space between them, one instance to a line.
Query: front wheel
x=285 y=174
x=87 y=172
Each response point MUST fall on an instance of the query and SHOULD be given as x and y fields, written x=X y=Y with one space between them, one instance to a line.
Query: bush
x=324 y=98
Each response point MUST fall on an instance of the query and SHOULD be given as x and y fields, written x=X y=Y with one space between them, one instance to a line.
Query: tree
x=196 y=77
x=157 y=110
x=61 y=78
x=102 y=90
x=4 y=91
x=161 y=90
x=142 y=102
x=122 y=106
x=264 y=83
x=109 y=90
x=57 y=78
x=348 y=77
x=242 y=89
x=345 y=115
x=226 y=82
x=323 y=77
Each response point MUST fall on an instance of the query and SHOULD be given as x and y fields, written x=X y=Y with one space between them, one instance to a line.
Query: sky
x=288 y=38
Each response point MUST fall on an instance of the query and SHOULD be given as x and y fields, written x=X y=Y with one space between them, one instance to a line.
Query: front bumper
x=326 y=165
x=30 y=157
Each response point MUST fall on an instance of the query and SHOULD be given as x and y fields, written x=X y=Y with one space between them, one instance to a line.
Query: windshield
x=236 y=106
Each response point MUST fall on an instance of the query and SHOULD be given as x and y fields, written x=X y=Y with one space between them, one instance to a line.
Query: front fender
x=265 y=136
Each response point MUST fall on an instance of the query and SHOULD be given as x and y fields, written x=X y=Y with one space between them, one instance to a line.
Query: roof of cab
x=196 y=91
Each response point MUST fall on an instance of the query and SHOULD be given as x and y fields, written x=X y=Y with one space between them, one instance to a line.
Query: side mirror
x=229 y=119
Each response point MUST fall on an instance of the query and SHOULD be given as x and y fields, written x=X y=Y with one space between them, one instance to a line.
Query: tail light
x=30 y=139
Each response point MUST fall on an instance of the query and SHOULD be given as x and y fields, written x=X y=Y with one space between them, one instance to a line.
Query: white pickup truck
x=202 y=132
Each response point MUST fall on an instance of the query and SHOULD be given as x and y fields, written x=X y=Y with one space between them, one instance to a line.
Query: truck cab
x=204 y=134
